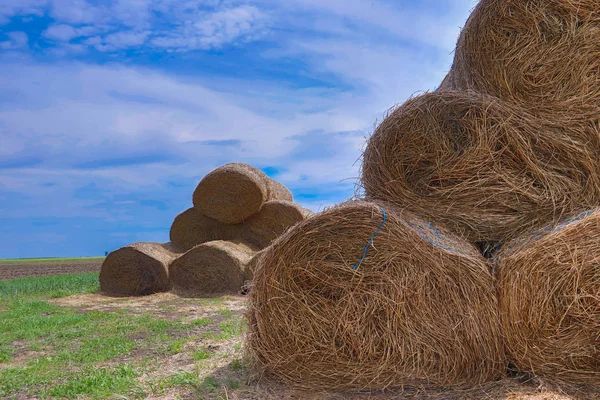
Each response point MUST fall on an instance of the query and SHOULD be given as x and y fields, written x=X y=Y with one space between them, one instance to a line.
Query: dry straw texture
x=549 y=295
x=211 y=269
x=192 y=228
x=420 y=309
x=231 y=193
x=138 y=269
x=235 y=191
x=541 y=54
x=277 y=191
x=273 y=219
x=485 y=168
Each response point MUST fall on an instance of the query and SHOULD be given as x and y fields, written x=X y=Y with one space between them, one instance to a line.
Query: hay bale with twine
x=273 y=219
x=210 y=269
x=417 y=307
x=191 y=228
x=541 y=54
x=138 y=269
x=549 y=296
x=236 y=191
x=487 y=169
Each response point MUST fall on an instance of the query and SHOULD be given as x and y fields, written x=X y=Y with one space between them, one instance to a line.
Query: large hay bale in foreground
x=191 y=228
x=420 y=308
x=212 y=268
x=485 y=168
x=235 y=191
x=541 y=54
x=549 y=295
x=138 y=269
x=274 y=218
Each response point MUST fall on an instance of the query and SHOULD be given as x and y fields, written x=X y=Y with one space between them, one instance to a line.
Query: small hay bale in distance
x=191 y=228
x=138 y=269
x=549 y=296
x=541 y=54
x=420 y=309
x=277 y=191
x=485 y=168
x=210 y=269
x=274 y=218
x=236 y=191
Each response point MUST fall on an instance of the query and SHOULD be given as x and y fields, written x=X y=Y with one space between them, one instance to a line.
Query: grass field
x=47 y=260
x=96 y=347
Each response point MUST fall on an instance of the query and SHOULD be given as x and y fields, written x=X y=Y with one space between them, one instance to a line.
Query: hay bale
x=231 y=193
x=235 y=191
x=210 y=269
x=420 y=309
x=273 y=219
x=549 y=296
x=277 y=191
x=138 y=269
x=485 y=168
x=541 y=54
x=191 y=228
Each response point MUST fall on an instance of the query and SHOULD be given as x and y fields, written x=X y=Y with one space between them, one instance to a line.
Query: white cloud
x=65 y=33
x=16 y=41
x=9 y=8
x=213 y=30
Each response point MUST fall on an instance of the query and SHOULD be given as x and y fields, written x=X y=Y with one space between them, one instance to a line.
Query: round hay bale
x=273 y=219
x=419 y=309
x=191 y=228
x=137 y=270
x=483 y=167
x=211 y=269
x=549 y=296
x=541 y=54
x=277 y=191
x=231 y=193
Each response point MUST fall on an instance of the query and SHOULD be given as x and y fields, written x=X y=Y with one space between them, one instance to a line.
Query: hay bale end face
x=191 y=228
x=485 y=168
x=137 y=270
x=273 y=219
x=212 y=268
x=420 y=309
x=231 y=193
x=542 y=54
x=549 y=295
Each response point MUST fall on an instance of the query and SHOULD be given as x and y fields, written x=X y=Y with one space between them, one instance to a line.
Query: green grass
x=50 y=286
x=50 y=351
x=45 y=260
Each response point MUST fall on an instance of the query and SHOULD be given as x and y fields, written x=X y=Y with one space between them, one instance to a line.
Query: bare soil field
x=20 y=269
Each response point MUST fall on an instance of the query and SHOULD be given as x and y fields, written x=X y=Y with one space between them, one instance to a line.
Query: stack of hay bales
x=509 y=143
x=237 y=212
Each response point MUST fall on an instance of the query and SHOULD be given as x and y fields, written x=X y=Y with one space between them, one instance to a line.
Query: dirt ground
x=166 y=305
x=19 y=270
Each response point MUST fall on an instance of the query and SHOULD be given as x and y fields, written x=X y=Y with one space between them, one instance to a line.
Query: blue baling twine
x=371 y=240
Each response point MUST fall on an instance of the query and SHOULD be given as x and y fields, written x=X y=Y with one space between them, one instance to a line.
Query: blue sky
x=111 y=111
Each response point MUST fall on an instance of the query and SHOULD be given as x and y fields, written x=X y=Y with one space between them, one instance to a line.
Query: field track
x=19 y=269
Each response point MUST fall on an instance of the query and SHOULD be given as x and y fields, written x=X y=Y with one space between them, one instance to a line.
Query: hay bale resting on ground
x=235 y=191
x=541 y=54
x=420 y=309
x=192 y=228
x=549 y=295
x=273 y=219
x=138 y=269
x=483 y=167
x=210 y=269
